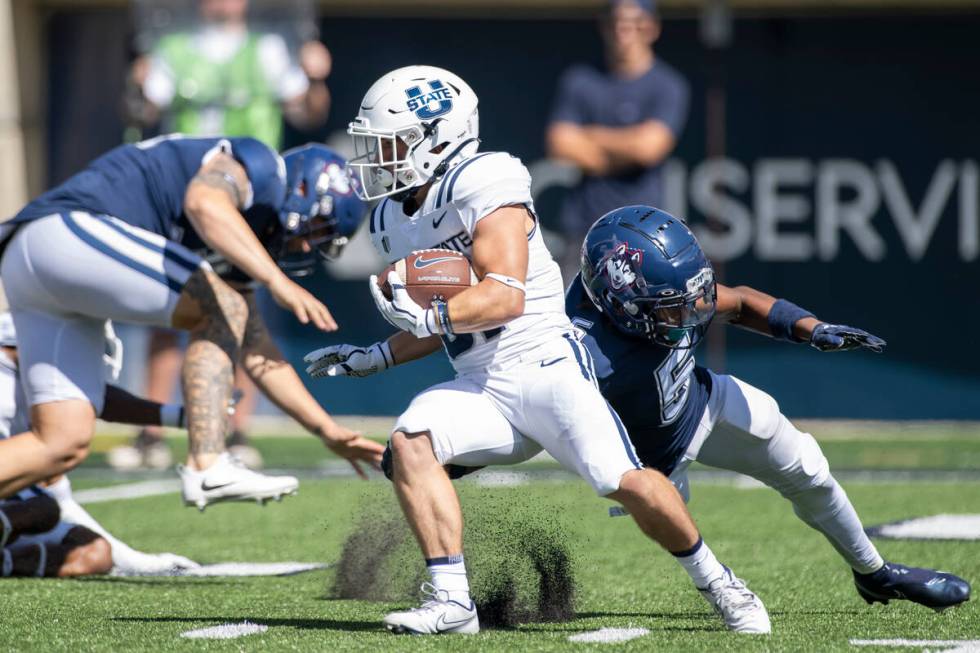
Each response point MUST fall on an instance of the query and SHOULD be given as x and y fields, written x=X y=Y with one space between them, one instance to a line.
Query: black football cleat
x=934 y=589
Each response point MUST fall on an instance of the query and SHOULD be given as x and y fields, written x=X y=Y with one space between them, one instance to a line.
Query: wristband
x=172 y=415
x=386 y=355
x=782 y=317
x=442 y=316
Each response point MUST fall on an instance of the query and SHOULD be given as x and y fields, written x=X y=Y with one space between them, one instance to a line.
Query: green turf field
x=621 y=579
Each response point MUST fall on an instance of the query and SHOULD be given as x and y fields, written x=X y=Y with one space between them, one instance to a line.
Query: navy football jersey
x=144 y=185
x=659 y=393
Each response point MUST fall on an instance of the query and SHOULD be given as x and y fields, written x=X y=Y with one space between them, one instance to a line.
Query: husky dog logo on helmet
x=620 y=266
x=437 y=102
x=334 y=178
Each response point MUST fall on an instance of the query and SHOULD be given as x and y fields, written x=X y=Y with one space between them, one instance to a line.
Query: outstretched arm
x=276 y=378
x=756 y=311
x=353 y=360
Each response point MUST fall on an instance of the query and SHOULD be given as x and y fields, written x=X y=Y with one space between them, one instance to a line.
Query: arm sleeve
x=282 y=73
x=568 y=105
x=487 y=182
x=669 y=103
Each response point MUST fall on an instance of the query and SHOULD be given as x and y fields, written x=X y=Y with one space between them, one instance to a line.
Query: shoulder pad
x=484 y=169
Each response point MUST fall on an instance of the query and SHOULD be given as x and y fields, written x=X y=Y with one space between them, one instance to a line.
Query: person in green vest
x=225 y=79
x=220 y=78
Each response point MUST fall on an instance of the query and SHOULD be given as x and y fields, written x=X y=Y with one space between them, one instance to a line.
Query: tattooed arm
x=213 y=204
x=276 y=378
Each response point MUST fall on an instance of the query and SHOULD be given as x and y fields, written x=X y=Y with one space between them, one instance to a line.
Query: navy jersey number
x=673 y=382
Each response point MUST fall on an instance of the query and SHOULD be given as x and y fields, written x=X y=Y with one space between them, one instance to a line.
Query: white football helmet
x=414 y=124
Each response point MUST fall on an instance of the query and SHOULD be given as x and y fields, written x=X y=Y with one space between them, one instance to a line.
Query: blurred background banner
x=831 y=157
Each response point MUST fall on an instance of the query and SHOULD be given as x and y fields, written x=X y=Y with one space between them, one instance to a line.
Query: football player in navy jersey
x=107 y=244
x=643 y=300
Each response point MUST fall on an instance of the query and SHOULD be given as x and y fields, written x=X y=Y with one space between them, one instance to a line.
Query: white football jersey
x=447 y=219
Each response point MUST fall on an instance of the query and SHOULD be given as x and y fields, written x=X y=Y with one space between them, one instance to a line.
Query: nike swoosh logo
x=426 y=262
x=550 y=363
x=208 y=488
x=438 y=221
x=448 y=624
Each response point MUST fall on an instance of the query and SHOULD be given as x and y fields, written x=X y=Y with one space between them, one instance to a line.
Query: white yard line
x=228 y=569
x=608 y=635
x=128 y=491
x=226 y=631
x=930 y=645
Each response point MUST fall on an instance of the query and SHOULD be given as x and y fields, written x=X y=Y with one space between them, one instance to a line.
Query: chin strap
x=440 y=170
x=443 y=167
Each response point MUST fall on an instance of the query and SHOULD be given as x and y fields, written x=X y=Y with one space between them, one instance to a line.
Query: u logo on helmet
x=426 y=106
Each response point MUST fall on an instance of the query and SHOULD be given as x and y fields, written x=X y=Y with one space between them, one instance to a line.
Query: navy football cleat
x=934 y=589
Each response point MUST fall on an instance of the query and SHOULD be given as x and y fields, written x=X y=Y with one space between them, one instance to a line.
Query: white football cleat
x=230 y=480
x=437 y=616
x=741 y=609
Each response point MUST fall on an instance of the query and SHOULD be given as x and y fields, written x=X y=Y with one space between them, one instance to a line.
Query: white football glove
x=348 y=360
x=402 y=312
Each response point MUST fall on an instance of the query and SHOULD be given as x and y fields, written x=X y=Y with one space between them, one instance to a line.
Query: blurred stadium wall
x=831 y=157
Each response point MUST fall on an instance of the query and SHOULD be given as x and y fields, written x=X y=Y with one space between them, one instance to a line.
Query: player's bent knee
x=207 y=301
x=67 y=445
x=810 y=470
x=637 y=486
x=409 y=450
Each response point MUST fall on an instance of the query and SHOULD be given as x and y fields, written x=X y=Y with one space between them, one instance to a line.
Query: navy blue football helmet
x=322 y=208
x=644 y=269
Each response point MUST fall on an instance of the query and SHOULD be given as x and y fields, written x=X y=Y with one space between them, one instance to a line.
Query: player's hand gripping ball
x=430 y=275
x=427 y=276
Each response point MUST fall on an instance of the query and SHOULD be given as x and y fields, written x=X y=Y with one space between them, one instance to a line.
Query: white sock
x=700 y=564
x=449 y=575
x=74 y=513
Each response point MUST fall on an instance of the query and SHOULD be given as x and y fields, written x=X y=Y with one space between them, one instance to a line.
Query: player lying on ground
x=120 y=406
x=34 y=541
x=644 y=298
x=113 y=242
x=508 y=338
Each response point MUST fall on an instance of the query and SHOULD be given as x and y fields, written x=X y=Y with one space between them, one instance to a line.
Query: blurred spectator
x=224 y=79
x=220 y=79
x=617 y=125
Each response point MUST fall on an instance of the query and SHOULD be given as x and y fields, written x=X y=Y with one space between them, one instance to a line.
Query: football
x=431 y=274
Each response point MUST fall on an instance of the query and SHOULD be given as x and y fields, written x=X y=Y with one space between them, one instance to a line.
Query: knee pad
x=809 y=470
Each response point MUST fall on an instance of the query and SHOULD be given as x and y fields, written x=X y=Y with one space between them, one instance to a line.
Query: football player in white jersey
x=521 y=371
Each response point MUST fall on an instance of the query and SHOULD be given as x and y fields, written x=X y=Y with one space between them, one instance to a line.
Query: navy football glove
x=837 y=337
